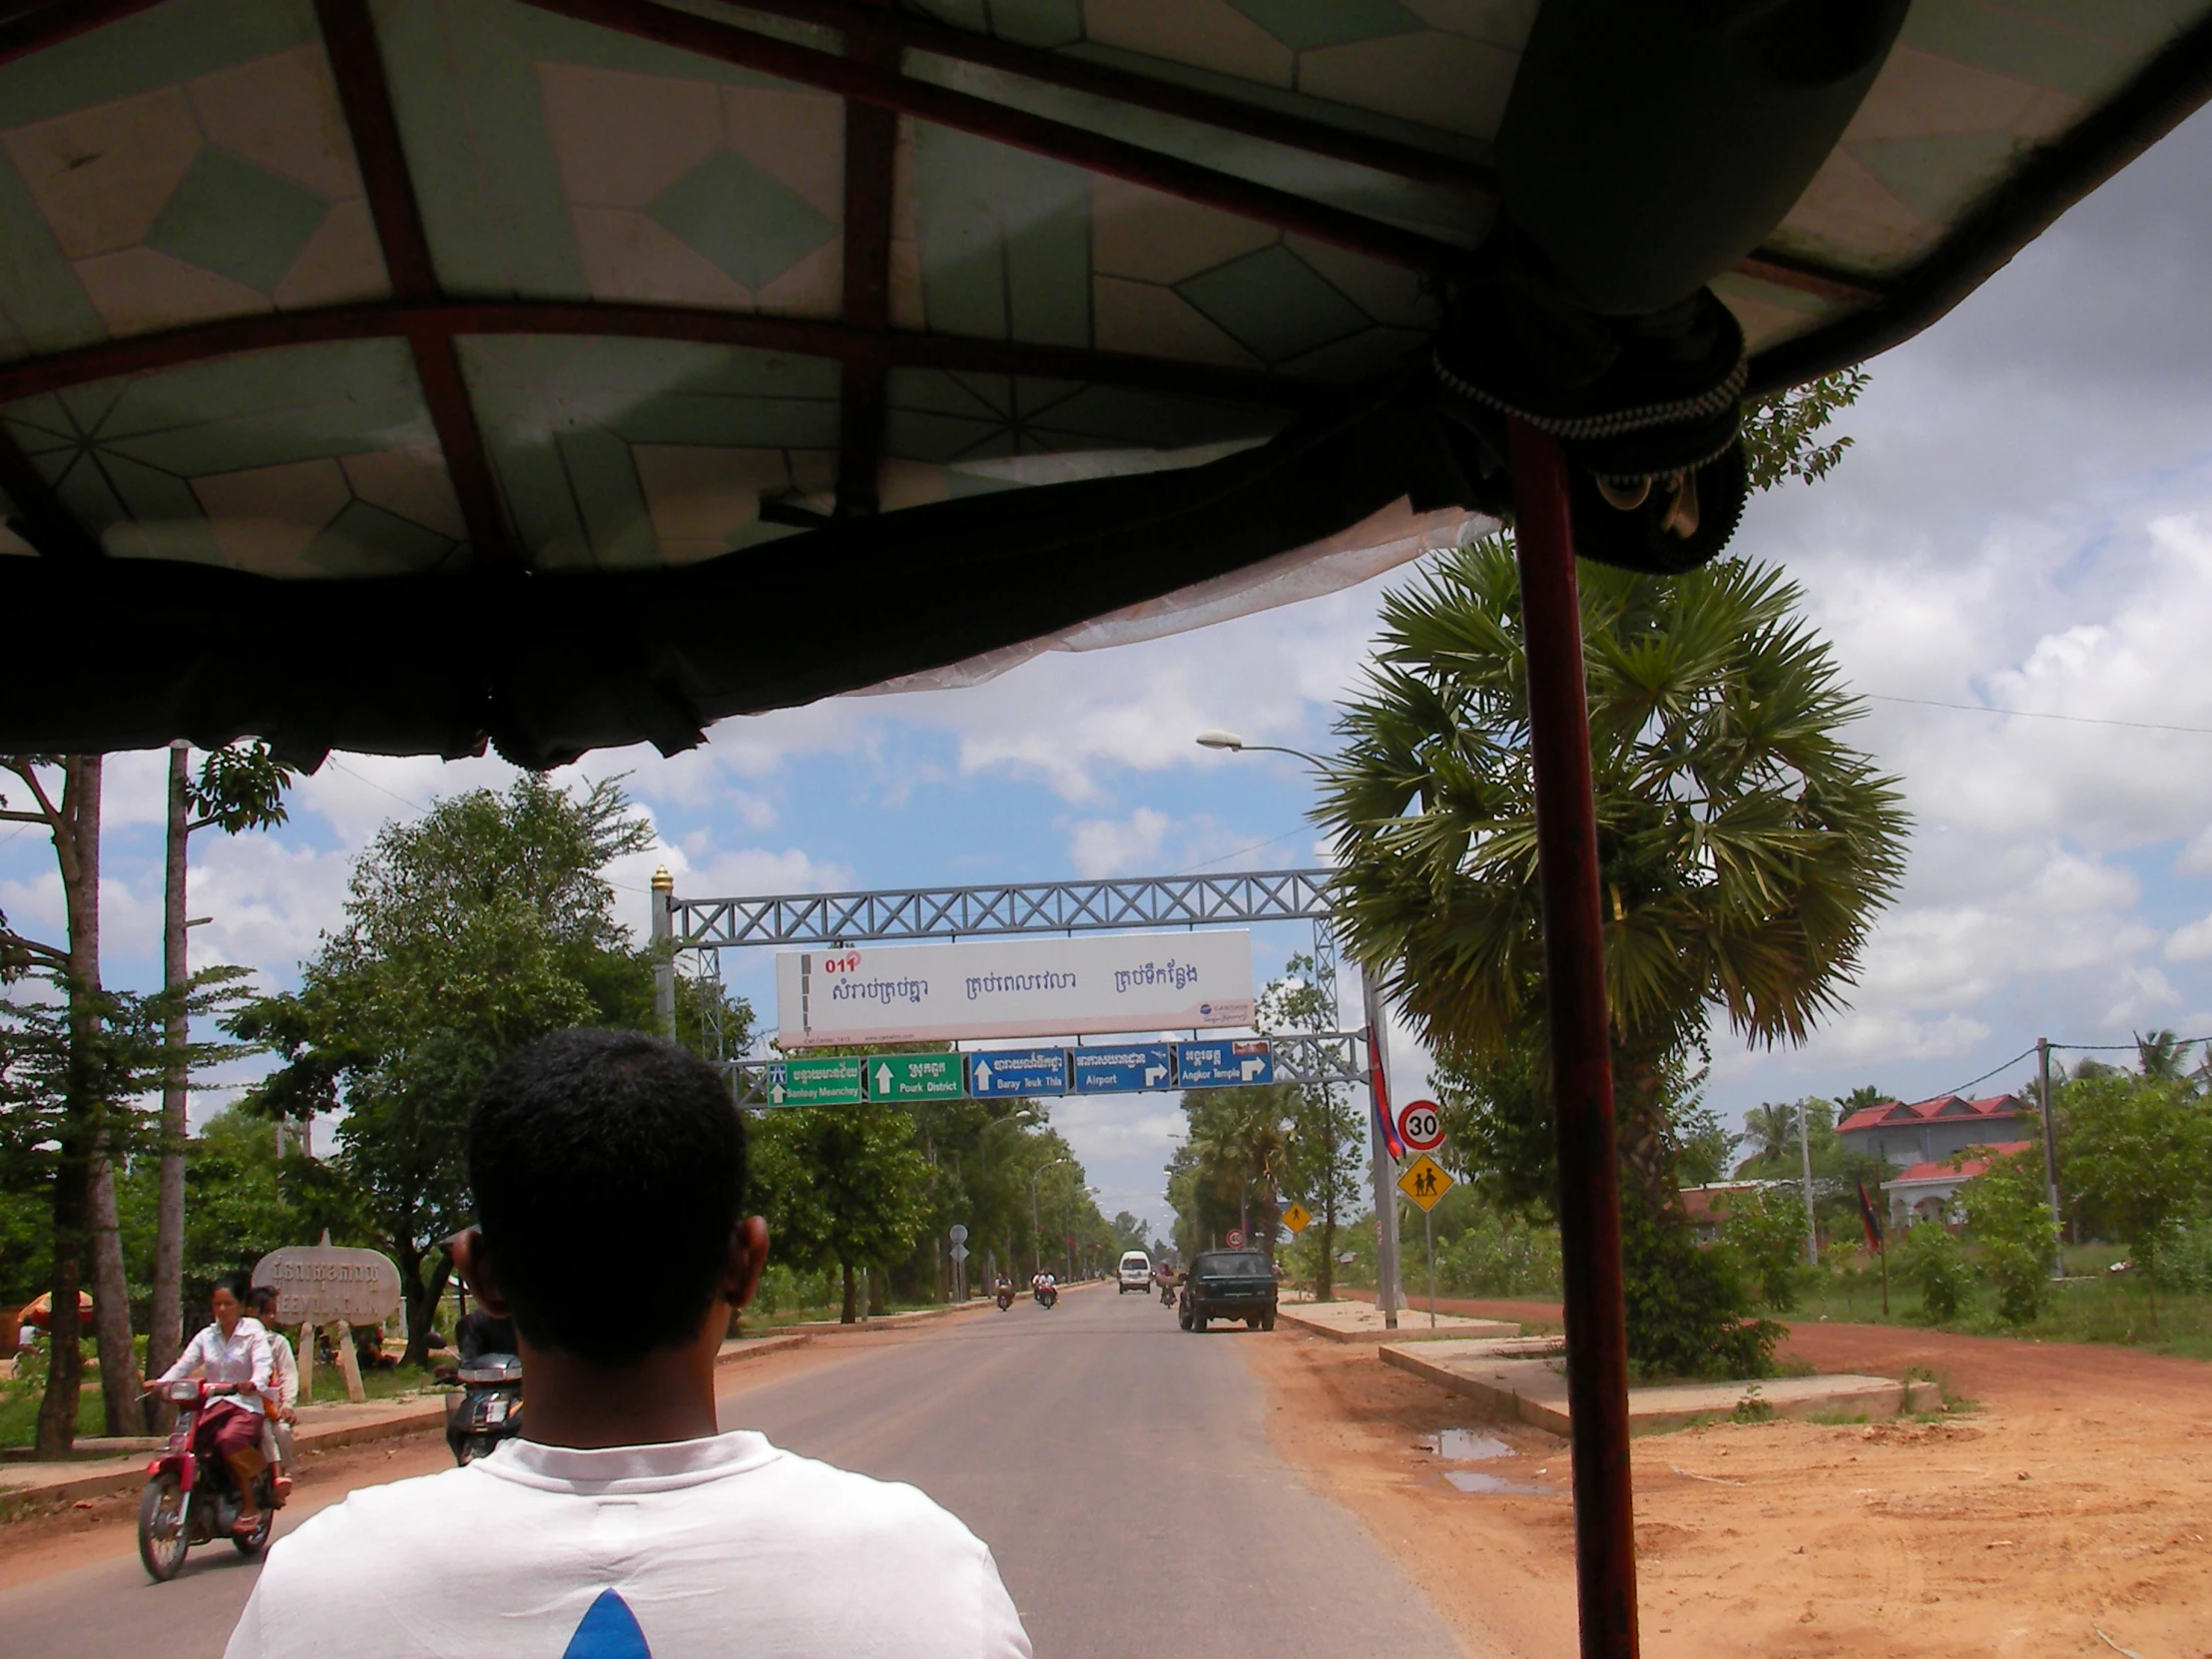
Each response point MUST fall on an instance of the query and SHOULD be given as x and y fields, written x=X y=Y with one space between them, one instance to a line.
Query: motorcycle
x=488 y=1409
x=1005 y=1297
x=1047 y=1295
x=1167 y=1293
x=194 y=1499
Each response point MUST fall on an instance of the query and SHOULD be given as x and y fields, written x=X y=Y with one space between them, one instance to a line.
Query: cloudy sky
x=2025 y=525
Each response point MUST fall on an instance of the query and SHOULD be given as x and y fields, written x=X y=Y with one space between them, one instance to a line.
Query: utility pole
x=1387 y=1294
x=2050 y=1155
x=664 y=953
x=1805 y=1147
x=165 y=1322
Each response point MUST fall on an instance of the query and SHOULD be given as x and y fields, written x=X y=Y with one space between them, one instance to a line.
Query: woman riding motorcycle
x=233 y=1353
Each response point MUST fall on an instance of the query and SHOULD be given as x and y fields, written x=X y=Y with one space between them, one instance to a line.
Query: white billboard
x=1094 y=982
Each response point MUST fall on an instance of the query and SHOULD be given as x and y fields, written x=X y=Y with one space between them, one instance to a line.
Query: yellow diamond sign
x=1424 y=1182
x=1297 y=1218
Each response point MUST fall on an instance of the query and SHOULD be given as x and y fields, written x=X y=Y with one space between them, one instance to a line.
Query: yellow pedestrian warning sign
x=1424 y=1182
x=1297 y=1218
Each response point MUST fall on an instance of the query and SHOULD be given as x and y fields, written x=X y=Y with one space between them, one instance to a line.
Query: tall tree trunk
x=111 y=1291
x=421 y=1298
x=57 y=1411
x=851 y=1311
x=1647 y=1154
x=164 y=1332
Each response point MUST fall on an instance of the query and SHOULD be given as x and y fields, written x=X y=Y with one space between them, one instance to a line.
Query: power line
x=1242 y=850
x=2037 y=714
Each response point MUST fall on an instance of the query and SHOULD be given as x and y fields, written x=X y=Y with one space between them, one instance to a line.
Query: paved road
x=1119 y=1469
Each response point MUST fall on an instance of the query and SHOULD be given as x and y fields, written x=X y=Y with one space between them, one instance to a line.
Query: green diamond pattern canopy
x=403 y=374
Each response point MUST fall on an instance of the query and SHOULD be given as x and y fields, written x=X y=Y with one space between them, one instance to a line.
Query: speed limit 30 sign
x=1420 y=1126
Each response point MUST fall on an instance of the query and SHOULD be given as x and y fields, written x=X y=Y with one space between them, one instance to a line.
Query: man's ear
x=747 y=1255
x=473 y=1257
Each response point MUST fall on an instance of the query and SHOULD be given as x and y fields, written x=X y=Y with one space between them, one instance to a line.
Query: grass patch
x=2095 y=1306
x=19 y=1412
x=378 y=1383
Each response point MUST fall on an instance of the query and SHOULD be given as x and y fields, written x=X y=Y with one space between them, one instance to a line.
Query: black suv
x=1227 y=1285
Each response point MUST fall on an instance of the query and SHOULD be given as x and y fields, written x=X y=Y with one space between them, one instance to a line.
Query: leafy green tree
x=1931 y=1261
x=2137 y=1152
x=1765 y=1226
x=1324 y=1169
x=470 y=933
x=2008 y=1217
x=842 y=1187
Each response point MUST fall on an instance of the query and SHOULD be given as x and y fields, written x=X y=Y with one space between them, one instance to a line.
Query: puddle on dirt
x=1465 y=1446
x=1472 y=1480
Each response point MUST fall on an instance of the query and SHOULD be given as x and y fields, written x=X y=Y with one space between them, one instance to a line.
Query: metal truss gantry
x=709 y=926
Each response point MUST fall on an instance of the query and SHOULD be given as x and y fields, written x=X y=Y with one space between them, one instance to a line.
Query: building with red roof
x=1931 y=1131
x=1926 y=1192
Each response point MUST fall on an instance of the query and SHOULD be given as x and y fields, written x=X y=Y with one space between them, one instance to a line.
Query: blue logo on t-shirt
x=609 y=1631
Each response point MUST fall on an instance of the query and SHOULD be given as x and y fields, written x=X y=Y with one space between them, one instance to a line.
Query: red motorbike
x=193 y=1499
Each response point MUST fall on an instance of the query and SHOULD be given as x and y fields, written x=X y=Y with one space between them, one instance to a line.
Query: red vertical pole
x=1581 y=1064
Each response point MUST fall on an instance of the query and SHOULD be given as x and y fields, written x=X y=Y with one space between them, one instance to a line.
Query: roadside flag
x=1379 y=1095
x=1868 y=1220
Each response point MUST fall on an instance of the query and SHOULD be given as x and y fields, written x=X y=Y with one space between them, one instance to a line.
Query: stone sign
x=330 y=1284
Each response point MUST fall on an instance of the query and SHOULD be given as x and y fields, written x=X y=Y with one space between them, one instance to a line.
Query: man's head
x=609 y=1171
x=261 y=1302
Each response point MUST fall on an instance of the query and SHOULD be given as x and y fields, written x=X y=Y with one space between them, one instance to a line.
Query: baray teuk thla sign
x=1013 y=989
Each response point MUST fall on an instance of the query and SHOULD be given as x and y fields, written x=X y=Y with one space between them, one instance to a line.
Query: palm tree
x=1772 y=1130
x=1743 y=847
x=2162 y=1055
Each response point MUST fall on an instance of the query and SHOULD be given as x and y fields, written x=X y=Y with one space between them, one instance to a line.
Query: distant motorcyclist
x=480 y=1333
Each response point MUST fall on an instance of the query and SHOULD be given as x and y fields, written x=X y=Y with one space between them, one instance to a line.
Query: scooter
x=1005 y=1297
x=193 y=1499
x=1048 y=1296
x=1167 y=1293
x=488 y=1409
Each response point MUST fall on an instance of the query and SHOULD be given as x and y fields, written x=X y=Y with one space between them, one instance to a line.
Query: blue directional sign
x=1124 y=1070
x=1003 y=1073
x=1230 y=1063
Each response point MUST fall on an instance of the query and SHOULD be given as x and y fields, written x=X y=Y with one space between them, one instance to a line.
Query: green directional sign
x=833 y=1080
x=917 y=1076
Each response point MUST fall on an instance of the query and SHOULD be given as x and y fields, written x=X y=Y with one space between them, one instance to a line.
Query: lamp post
x=1388 y=1297
x=1037 y=1235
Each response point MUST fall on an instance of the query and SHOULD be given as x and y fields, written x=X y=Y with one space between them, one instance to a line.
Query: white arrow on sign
x=1252 y=1068
x=1154 y=1076
x=883 y=1081
x=775 y=1095
x=982 y=1074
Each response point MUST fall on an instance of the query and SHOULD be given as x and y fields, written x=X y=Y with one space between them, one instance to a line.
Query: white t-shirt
x=688 y=1550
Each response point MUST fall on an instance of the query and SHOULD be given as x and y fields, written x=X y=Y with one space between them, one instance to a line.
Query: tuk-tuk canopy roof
x=393 y=375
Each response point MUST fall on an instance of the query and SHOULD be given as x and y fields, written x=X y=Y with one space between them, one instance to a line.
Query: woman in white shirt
x=233 y=1353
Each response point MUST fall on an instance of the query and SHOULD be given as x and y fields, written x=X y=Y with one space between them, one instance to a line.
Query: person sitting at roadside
x=232 y=1352
x=609 y=1171
x=282 y=1396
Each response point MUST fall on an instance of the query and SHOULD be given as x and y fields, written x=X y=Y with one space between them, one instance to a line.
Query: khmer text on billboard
x=1013 y=989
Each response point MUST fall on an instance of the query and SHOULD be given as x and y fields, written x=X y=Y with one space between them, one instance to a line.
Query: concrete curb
x=1532 y=1389
x=1466 y=1330
x=105 y=1482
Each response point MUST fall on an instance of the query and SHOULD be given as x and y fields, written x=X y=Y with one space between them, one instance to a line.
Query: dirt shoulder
x=2079 y=1493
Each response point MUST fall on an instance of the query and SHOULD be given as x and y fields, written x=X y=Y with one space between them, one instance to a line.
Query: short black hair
x=261 y=1296
x=235 y=1283
x=588 y=1152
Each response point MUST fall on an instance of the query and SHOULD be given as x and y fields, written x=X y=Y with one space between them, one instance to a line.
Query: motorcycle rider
x=232 y=1353
x=282 y=1394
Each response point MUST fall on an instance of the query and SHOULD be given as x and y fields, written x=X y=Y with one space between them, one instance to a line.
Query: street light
x=1036 y=1230
x=1215 y=737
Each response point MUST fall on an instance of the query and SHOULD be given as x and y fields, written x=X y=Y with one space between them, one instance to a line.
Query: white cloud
x=2191 y=943
x=1115 y=846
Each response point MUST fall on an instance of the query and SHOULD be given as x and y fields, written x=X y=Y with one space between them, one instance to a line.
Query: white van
x=1135 y=1273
